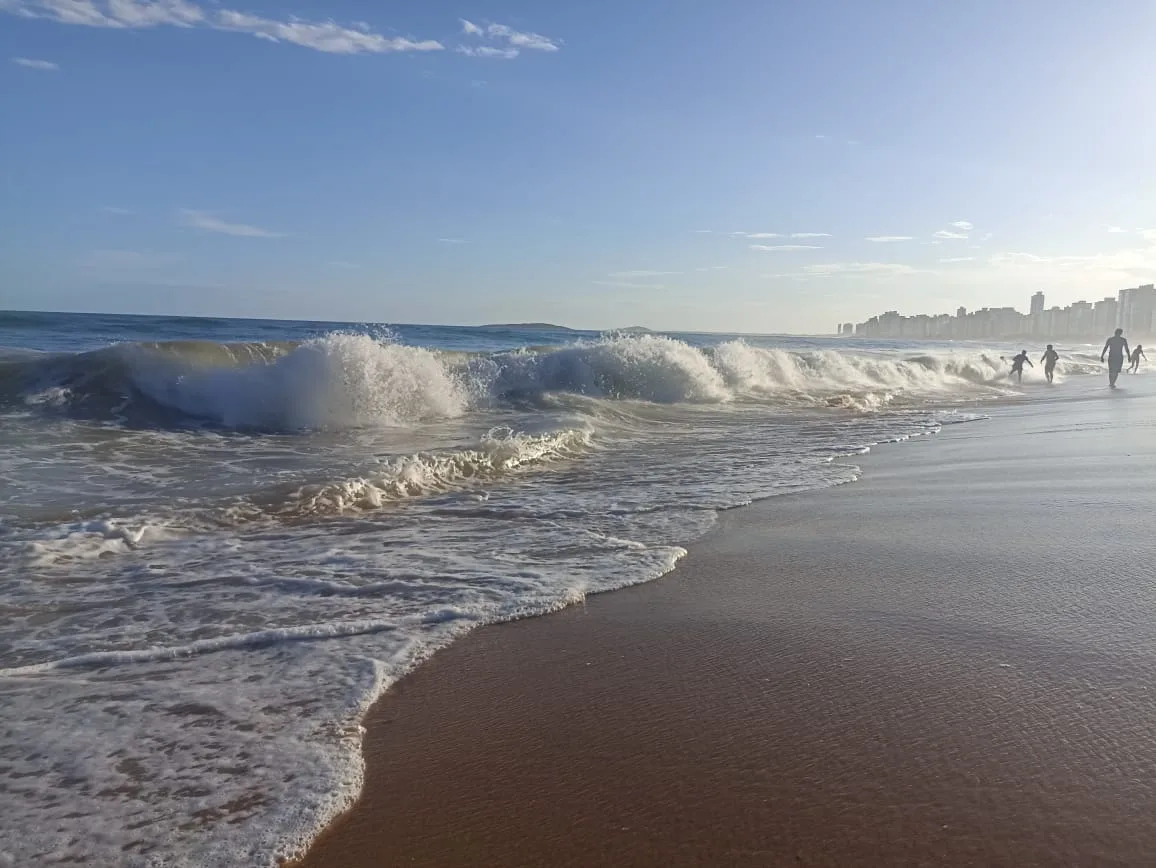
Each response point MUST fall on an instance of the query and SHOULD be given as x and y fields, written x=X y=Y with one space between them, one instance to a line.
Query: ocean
x=222 y=540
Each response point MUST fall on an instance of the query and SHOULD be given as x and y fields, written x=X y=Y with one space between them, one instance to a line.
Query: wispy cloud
x=883 y=268
x=32 y=63
x=962 y=224
x=947 y=235
x=453 y=241
x=640 y=273
x=1017 y=259
x=761 y=235
x=508 y=43
x=783 y=248
x=327 y=36
x=1117 y=230
x=534 y=41
x=112 y=209
x=487 y=51
x=209 y=223
x=810 y=234
x=887 y=239
x=959 y=259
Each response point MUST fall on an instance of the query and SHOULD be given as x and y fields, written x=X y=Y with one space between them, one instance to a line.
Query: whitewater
x=222 y=540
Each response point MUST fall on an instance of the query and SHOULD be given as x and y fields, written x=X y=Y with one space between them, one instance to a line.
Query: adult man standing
x=1116 y=348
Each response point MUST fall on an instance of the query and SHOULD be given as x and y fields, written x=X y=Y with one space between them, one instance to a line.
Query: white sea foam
x=500 y=452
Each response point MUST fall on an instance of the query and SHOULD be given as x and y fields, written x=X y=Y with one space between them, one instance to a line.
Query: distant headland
x=629 y=330
x=527 y=325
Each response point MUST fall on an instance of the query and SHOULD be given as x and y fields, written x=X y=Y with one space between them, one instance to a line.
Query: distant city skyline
x=1132 y=309
x=740 y=167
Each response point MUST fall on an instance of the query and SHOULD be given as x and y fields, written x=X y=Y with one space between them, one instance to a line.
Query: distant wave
x=345 y=381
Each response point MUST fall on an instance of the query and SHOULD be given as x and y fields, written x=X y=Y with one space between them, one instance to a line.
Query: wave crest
x=349 y=380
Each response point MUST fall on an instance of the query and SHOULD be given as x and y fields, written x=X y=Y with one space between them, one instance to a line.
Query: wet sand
x=950 y=662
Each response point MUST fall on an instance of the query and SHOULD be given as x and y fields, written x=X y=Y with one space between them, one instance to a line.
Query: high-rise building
x=1136 y=309
x=1037 y=304
x=1105 y=316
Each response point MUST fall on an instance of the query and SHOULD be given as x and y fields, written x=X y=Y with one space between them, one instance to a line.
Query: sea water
x=221 y=540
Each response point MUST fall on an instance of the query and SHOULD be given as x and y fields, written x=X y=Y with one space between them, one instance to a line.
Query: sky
x=757 y=166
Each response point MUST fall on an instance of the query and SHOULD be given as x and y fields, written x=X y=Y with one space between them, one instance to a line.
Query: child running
x=1137 y=355
x=1017 y=370
x=1049 y=359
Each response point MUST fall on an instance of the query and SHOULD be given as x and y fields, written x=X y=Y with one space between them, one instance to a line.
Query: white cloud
x=149 y=13
x=1117 y=230
x=762 y=235
x=810 y=235
x=453 y=241
x=886 y=239
x=32 y=63
x=1147 y=234
x=640 y=273
x=487 y=51
x=518 y=39
x=207 y=222
x=962 y=224
x=959 y=259
x=783 y=248
x=945 y=235
x=1083 y=273
x=326 y=36
x=510 y=42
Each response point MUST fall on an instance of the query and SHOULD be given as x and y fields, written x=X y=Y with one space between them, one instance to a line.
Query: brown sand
x=952 y=662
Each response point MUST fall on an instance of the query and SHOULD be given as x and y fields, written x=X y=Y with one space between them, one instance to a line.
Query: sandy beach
x=948 y=663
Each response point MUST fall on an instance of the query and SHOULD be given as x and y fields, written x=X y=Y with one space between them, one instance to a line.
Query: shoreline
x=580 y=737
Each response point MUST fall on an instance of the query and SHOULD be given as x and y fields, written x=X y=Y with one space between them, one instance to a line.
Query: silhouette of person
x=1116 y=348
x=1137 y=355
x=1049 y=359
x=1018 y=365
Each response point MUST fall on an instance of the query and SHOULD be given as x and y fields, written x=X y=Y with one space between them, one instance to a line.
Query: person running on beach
x=1116 y=348
x=1049 y=359
x=1137 y=355
x=1018 y=365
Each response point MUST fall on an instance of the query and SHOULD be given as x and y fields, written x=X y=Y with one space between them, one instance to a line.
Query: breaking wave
x=343 y=381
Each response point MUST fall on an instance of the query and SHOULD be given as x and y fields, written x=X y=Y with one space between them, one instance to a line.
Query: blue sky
x=750 y=166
